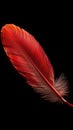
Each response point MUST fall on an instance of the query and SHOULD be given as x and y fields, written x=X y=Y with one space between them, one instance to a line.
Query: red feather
x=30 y=60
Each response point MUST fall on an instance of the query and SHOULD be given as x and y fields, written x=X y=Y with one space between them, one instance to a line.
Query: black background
x=53 y=28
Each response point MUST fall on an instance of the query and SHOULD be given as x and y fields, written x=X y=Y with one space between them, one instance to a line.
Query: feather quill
x=31 y=61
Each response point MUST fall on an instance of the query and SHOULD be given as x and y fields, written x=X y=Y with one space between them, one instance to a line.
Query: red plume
x=30 y=60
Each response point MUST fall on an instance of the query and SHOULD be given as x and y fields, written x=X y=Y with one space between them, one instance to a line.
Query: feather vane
x=31 y=61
